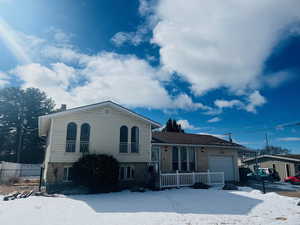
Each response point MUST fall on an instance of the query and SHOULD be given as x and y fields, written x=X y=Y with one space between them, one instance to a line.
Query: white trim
x=68 y=171
x=188 y=149
x=132 y=169
x=272 y=156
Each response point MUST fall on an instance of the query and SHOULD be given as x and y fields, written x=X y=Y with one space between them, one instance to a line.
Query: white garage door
x=222 y=164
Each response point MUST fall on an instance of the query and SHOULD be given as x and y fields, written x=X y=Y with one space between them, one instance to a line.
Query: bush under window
x=97 y=172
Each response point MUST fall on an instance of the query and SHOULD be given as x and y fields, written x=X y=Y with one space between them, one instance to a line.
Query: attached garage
x=222 y=164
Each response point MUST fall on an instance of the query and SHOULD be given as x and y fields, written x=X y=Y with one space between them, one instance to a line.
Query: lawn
x=170 y=207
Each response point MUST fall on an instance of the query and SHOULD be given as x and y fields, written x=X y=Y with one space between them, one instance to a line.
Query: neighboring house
x=285 y=165
x=245 y=154
x=195 y=152
x=108 y=128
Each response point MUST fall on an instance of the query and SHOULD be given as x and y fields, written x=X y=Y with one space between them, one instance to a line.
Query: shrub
x=200 y=186
x=97 y=172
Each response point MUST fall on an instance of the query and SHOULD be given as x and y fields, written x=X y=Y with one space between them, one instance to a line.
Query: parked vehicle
x=268 y=174
x=293 y=179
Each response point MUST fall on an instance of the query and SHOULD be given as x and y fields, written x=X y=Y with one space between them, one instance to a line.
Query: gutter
x=196 y=145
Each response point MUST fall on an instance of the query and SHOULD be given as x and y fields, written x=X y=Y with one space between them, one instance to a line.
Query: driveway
x=281 y=188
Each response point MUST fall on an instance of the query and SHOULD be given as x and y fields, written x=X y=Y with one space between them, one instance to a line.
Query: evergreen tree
x=19 y=112
x=172 y=126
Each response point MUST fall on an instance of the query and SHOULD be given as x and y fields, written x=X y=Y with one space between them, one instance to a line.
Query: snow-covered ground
x=170 y=207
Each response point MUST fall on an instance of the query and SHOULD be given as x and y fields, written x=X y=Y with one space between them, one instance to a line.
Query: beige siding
x=280 y=167
x=105 y=132
x=202 y=155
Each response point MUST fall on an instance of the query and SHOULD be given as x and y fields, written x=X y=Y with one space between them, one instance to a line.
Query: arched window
x=71 y=137
x=85 y=137
x=135 y=139
x=123 y=139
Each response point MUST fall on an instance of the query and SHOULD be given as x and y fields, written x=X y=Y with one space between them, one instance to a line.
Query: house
x=245 y=154
x=108 y=128
x=195 y=152
x=285 y=165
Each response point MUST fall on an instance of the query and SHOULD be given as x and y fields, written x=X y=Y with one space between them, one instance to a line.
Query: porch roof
x=190 y=139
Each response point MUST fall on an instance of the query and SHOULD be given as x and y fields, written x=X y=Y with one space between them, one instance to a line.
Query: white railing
x=70 y=145
x=188 y=179
x=84 y=146
x=127 y=147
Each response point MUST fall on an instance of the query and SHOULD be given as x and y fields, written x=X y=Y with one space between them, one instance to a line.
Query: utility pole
x=267 y=141
x=229 y=136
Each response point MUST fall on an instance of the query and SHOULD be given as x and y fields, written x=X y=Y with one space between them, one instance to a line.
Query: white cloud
x=215 y=44
x=186 y=125
x=13 y=42
x=252 y=101
x=255 y=100
x=227 y=104
x=90 y=78
x=214 y=120
x=59 y=35
x=289 y=139
x=278 y=78
x=143 y=31
x=106 y=76
x=4 y=79
x=134 y=38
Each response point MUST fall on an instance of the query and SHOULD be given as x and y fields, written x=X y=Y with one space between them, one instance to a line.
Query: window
x=183 y=159
x=123 y=139
x=85 y=137
x=71 y=137
x=175 y=159
x=135 y=139
x=126 y=173
x=68 y=174
x=192 y=159
x=155 y=154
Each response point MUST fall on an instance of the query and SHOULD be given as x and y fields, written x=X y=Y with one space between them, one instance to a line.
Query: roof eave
x=199 y=145
x=272 y=156
x=154 y=124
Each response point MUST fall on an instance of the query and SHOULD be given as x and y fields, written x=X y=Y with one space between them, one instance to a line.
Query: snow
x=170 y=207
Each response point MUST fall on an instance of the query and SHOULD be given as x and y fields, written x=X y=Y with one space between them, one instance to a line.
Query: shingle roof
x=189 y=139
x=295 y=158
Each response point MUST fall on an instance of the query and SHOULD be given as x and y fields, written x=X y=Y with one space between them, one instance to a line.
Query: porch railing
x=188 y=179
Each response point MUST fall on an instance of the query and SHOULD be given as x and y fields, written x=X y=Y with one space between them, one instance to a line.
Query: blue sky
x=216 y=66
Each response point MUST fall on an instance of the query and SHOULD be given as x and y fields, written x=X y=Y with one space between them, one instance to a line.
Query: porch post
x=177 y=179
x=194 y=178
x=208 y=177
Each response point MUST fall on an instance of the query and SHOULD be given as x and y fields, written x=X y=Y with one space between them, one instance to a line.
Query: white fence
x=188 y=179
x=9 y=170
